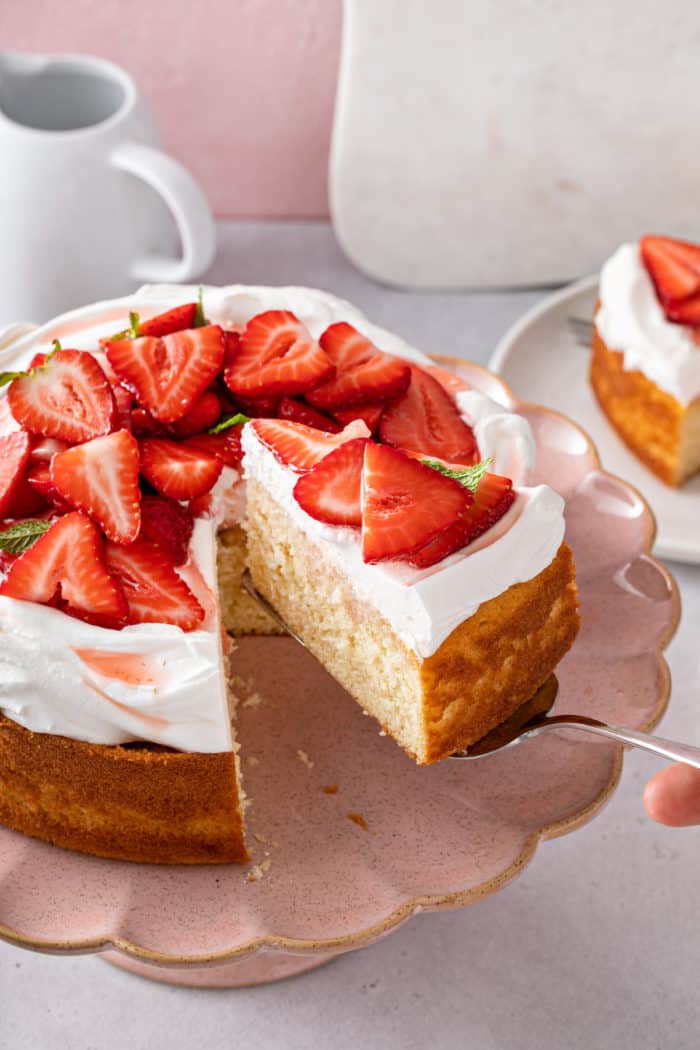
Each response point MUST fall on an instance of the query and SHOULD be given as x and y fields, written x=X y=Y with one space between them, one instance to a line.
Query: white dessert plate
x=540 y=358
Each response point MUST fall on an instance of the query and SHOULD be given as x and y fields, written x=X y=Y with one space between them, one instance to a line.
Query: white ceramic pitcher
x=84 y=190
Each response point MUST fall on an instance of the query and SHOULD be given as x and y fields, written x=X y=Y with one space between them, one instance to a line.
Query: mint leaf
x=7 y=377
x=199 y=319
x=20 y=537
x=467 y=476
x=229 y=421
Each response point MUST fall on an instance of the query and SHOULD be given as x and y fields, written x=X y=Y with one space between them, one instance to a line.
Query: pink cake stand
x=349 y=837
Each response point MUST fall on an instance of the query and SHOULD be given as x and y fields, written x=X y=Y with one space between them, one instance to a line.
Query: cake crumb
x=304 y=759
x=260 y=838
x=258 y=871
x=252 y=760
x=331 y=789
x=254 y=700
x=358 y=819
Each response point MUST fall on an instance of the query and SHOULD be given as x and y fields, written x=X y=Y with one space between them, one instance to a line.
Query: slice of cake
x=645 y=366
x=385 y=513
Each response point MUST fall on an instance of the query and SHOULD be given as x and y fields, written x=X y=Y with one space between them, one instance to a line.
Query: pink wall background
x=243 y=90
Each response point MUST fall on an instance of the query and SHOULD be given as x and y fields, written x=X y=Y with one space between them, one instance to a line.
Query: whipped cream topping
x=154 y=682
x=631 y=320
x=424 y=606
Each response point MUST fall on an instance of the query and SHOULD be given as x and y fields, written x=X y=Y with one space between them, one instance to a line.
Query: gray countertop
x=595 y=946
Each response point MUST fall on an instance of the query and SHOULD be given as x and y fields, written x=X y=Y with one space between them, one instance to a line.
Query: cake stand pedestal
x=263 y=967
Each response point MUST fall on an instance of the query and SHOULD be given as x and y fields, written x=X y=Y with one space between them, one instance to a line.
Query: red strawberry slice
x=298 y=412
x=27 y=501
x=101 y=478
x=14 y=457
x=168 y=375
x=167 y=525
x=262 y=408
x=370 y=414
x=300 y=447
x=144 y=424
x=154 y=591
x=686 y=312
x=493 y=497
x=450 y=382
x=67 y=568
x=425 y=419
x=330 y=492
x=363 y=374
x=204 y=414
x=227 y=445
x=178 y=319
x=276 y=355
x=39 y=478
x=44 y=449
x=68 y=398
x=179 y=471
x=404 y=503
x=674 y=267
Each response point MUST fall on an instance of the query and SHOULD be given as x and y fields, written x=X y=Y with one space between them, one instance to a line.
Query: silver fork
x=523 y=726
x=581 y=330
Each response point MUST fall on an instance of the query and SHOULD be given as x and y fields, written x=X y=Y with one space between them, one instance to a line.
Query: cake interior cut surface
x=152 y=449
x=645 y=363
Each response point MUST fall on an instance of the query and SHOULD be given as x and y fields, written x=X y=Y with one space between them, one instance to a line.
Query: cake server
x=531 y=719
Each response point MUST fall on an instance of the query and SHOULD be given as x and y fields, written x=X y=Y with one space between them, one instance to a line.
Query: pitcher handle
x=188 y=205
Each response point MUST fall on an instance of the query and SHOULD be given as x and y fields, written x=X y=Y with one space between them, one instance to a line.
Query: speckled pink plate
x=435 y=837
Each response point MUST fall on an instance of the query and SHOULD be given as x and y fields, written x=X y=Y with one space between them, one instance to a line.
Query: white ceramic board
x=512 y=143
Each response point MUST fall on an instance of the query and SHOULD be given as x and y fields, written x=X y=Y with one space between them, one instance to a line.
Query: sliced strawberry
x=27 y=501
x=674 y=267
x=180 y=471
x=154 y=591
x=204 y=414
x=14 y=457
x=167 y=525
x=261 y=408
x=123 y=401
x=447 y=380
x=370 y=414
x=276 y=355
x=298 y=412
x=300 y=447
x=686 y=312
x=67 y=568
x=101 y=478
x=330 y=492
x=494 y=496
x=39 y=478
x=38 y=360
x=425 y=419
x=143 y=424
x=168 y=375
x=7 y=560
x=178 y=319
x=363 y=374
x=404 y=503
x=227 y=445
x=68 y=398
x=44 y=449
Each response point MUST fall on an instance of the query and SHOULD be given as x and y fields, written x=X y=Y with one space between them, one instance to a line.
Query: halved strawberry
x=298 y=412
x=674 y=267
x=300 y=447
x=260 y=408
x=66 y=568
x=180 y=471
x=14 y=456
x=330 y=492
x=204 y=414
x=27 y=501
x=370 y=414
x=167 y=525
x=168 y=375
x=68 y=398
x=450 y=382
x=39 y=478
x=101 y=478
x=144 y=424
x=425 y=419
x=686 y=312
x=44 y=449
x=363 y=374
x=493 y=497
x=154 y=591
x=227 y=445
x=276 y=355
x=176 y=320
x=404 y=503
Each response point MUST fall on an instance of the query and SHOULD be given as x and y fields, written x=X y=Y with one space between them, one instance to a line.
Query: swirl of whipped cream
x=631 y=320
x=152 y=681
